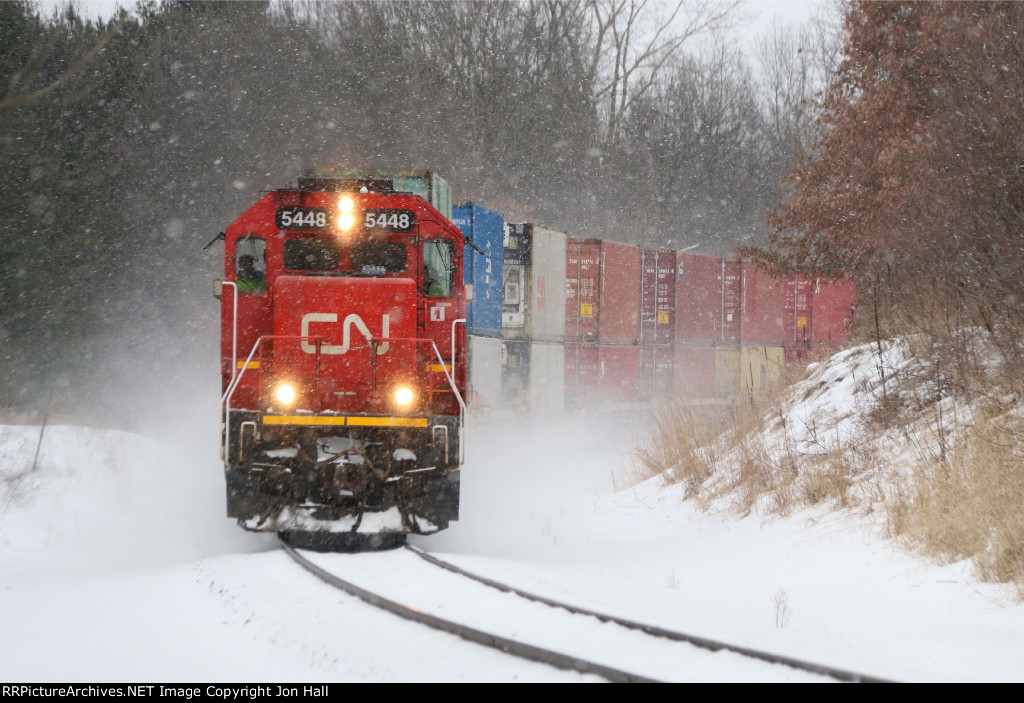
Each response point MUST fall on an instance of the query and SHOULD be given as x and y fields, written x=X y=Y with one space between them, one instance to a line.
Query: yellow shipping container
x=747 y=370
x=727 y=372
x=761 y=368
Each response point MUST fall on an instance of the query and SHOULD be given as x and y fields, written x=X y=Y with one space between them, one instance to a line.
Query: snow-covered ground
x=116 y=564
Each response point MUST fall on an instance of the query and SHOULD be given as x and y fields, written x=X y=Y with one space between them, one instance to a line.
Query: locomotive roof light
x=346 y=216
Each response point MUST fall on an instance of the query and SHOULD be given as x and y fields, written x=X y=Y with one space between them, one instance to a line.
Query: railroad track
x=572 y=638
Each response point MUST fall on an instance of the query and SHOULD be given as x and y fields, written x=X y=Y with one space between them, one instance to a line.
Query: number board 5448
x=388 y=220
x=300 y=218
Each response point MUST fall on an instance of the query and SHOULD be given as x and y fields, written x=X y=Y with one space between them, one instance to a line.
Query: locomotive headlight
x=403 y=396
x=346 y=218
x=285 y=393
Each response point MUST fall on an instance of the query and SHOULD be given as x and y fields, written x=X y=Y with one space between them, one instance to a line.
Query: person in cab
x=248 y=278
x=431 y=286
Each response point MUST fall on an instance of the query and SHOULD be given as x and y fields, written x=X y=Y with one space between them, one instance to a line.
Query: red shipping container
x=799 y=311
x=581 y=374
x=618 y=374
x=763 y=311
x=655 y=372
x=707 y=300
x=602 y=291
x=582 y=291
x=600 y=375
x=818 y=311
x=834 y=305
x=657 y=296
x=694 y=372
x=802 y=354
x=620 y=294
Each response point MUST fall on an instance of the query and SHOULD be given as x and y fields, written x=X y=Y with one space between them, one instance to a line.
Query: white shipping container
x=484 y=373
x=547 y=377
x=548 y=286
x=533 y=284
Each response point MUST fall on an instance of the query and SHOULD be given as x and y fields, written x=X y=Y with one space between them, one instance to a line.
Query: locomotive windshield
x=310 y=255
x=388 y=255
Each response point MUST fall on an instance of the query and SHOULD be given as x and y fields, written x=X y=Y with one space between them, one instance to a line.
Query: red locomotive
x=343 y=358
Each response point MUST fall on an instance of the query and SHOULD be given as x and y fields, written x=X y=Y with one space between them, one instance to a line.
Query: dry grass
x=696 y=445
x=680 y=446
x=970 y=505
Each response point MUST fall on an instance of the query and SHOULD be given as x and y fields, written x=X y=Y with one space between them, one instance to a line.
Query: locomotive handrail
x=416 y=340
x=237 y=379
x=455 y=322
x=458 y=396
x=440 y=360
x=234 y=329
x=447 y=375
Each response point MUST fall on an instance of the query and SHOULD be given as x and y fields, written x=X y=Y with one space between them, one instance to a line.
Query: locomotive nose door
x=341 y=360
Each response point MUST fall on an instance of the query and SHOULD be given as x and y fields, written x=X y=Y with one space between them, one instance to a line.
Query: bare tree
x=700 y=166
x=797 y=65
x=634 y=40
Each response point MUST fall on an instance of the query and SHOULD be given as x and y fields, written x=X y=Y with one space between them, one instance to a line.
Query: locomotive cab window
x=251 y=265
x=310 y=255
x=438 y=265
x=389 y=256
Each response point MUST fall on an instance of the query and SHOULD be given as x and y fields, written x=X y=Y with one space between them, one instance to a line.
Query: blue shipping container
x=486 y=229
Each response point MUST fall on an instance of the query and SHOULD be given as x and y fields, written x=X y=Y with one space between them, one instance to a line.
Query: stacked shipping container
x=533 y=318
x=707 y=317
x=709 y=328
x=483 y=259
x=756 y=362
x=648 y=325
x=602 y=322
x=657 y=323
x=602 y=292
x=817 y=314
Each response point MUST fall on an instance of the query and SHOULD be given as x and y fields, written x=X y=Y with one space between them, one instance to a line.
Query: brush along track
x=526 y=626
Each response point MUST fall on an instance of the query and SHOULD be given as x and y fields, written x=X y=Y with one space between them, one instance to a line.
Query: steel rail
x=503 y=644
x=702 y=642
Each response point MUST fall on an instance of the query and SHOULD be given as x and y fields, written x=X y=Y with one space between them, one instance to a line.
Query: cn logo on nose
x=351 y=321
